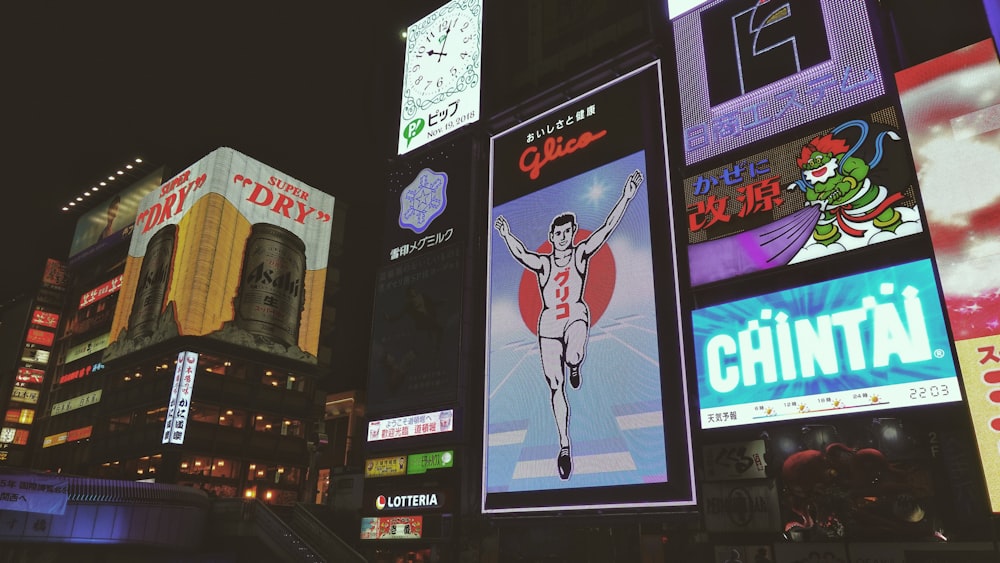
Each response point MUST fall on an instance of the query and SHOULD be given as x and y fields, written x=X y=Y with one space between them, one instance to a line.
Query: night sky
x=89 y=88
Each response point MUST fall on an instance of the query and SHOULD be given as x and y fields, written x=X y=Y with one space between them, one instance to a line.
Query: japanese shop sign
x=741 y=506
x=385 y=466
x=66 y=437
x=843 y=188
x=866 y=342
x=410 y=426
x=107 y=288
x=24 y=395
x=30 y=375
x=77 y=402
x=755 y=69
x=421 y=463
x=44 y=318
x=89 y=347
x=739 y=460
x=39 y=336
x=392 y=528
x=175 y=425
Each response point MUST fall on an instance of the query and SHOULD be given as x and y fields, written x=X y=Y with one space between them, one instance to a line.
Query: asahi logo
x=407 y=501
x=280 y=281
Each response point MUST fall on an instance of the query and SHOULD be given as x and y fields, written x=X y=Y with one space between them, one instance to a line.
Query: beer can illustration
x=272 y=291
x=154 y=279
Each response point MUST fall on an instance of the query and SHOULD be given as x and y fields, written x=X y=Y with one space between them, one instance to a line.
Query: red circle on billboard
x=600 y=284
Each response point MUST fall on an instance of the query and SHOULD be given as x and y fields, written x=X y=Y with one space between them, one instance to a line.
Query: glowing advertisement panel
x=230 y=249
x=385 y=466
x=175 y=424
x=441 y=74
x=411 y=426
x=867 y=342
x=677 y=7
x=392 y=528
x=754 y=69
x=834 y=190
x=585 y=391
x=952 y=109
x=111 y=221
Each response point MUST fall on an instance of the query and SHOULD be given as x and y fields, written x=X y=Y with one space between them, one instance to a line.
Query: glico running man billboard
x=867 y=342
x=753 y=69
x=230 y=249
x=585 y=395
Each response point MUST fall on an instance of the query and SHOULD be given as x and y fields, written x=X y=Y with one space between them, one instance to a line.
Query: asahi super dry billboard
x=231 y=249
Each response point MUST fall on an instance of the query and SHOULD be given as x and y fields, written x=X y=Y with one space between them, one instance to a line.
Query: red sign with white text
x=44 y=318
x=100 y=292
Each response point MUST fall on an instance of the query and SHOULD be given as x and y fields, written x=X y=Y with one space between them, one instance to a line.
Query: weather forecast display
x=579 y=309
x=867 y=342
x=755 y=68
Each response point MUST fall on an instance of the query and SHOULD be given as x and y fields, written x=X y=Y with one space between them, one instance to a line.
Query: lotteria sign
x=871 y=341
x=423 y=499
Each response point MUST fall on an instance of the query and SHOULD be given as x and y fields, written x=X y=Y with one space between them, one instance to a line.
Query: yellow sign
x=980 y=360
x=385 y=466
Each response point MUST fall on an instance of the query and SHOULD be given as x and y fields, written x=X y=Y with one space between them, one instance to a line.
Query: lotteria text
x=407 y=501
x=781 y=349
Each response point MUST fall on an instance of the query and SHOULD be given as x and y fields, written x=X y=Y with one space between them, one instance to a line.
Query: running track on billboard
x=615 y=420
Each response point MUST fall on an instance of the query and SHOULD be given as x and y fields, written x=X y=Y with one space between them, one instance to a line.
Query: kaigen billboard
x=837 y=189
x=754 y=69
x=867 y=342
x=585 y=393
x=230 y=249
x=952 y=109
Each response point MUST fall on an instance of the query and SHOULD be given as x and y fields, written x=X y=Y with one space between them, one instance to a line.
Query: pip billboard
x=836 y=189
x=230 y=249
x=585 y=398
x=754 y=68
x=867 y=342
x=952 y=109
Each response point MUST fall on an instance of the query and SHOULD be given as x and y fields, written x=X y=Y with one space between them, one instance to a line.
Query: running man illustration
x=564 y=321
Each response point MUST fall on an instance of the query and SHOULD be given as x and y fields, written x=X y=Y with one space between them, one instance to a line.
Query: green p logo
x=413 y=129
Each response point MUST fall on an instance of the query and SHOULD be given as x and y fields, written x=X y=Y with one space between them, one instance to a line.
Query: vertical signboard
x=230 y=249
x=753 y=69
x=175 y=425
x=585 y=399
x=441 y=73
x=419 y=293
x=952 y=110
